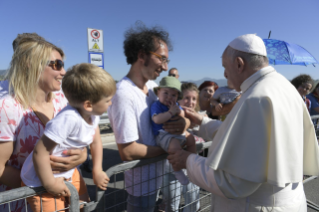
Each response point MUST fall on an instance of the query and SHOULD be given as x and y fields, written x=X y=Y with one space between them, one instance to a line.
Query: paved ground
x=111 y=158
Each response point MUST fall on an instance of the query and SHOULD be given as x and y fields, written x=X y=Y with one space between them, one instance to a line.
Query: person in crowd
x=241 y=175
x=223 y=96
x=303 y=84
x=89 y=90
x=162 y=110
x=30 y=96
x=146 y=50
x=173 y=72
x=313 y=96
x=206 y=92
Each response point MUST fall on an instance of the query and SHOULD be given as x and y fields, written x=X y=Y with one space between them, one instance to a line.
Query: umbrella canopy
x=283 y=53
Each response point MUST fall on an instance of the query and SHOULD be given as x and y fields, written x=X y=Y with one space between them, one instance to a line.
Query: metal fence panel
x=7 y=197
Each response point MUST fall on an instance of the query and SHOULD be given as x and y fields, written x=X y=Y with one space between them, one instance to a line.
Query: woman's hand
x=177 y=125
x=62 y=164
x=194 y=117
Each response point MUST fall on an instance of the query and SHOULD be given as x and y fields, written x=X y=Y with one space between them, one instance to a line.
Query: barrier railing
x=7 y=197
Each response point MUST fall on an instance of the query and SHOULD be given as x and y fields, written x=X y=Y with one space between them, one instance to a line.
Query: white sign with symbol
x=95 y=40
x=96 y=59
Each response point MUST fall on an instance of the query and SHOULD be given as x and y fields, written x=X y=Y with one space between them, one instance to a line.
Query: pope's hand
x=178 y=159
x=193 y=116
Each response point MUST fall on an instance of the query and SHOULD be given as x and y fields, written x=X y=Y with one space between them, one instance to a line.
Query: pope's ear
x=87 y=105
x=240 y=63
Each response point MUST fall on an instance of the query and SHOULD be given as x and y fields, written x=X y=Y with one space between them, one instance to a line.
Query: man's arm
x=217 y=182
x=135 y=151
x=226 y=108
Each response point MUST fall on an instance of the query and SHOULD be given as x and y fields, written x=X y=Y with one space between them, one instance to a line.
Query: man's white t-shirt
x=69 y=131
x=129 y=115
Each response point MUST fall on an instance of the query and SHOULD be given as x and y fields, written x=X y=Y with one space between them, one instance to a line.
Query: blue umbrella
x=283 y=53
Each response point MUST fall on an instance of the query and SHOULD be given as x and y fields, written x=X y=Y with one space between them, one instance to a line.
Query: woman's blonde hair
x=191 y=87
x=86 y=81
x=28 y=61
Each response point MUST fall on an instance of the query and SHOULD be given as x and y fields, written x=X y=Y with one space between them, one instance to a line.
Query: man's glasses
x=56 y=64
x=163 y=59
x=172 y=75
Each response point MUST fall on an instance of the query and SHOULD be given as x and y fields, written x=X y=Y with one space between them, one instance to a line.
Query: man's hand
x=58 y=188
x=100 y=179
x=177 y=125
x=62 y=164
x=178 y=159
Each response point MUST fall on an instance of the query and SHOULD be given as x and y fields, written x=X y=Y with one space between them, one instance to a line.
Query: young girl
x=89 y=90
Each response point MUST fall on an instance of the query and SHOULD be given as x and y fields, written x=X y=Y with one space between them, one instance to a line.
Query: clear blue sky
x=199 y=29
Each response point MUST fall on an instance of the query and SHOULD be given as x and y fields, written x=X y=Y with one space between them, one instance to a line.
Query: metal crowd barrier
x=114 y=199
x=13 y=195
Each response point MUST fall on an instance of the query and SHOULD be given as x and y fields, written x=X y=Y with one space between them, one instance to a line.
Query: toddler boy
x=162 y=111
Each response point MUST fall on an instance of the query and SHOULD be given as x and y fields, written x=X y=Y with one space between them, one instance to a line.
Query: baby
x=162 y=111
x=222 y=96
x=89 y=90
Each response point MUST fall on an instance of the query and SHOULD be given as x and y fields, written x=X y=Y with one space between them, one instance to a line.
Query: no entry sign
x=95 y=40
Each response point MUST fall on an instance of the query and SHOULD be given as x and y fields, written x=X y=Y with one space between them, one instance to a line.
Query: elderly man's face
x=230 y=72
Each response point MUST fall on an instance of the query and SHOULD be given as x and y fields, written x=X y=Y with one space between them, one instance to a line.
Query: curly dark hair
x=143 y=39
x=302 y=78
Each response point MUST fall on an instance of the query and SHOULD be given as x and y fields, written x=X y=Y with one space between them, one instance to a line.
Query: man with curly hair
x=146 y=50
x=303 y=84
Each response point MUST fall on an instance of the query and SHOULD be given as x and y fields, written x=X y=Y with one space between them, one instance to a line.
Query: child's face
x=167 y=95
x=189 y=99
x=101 y=106
x=304 y=89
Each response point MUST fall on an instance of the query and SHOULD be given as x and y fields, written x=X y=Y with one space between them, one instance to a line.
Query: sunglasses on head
x=172 y=75
x=56 y=64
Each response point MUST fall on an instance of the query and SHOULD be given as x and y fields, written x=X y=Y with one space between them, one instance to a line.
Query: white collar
x=255 y=77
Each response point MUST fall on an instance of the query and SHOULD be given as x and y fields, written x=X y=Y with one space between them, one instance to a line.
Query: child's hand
x=218 y=107
x=100 y=179
x=174 y=109
x=58 y=188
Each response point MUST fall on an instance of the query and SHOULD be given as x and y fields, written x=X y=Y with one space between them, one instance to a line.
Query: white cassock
x=260 y=152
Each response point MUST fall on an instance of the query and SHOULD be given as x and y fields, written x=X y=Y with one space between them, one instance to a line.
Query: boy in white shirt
x=89 y=90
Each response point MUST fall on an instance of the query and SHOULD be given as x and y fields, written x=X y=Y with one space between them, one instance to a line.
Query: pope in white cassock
x=260 y=153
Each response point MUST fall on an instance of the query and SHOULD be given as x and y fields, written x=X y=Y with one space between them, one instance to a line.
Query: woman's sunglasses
x=56 y=64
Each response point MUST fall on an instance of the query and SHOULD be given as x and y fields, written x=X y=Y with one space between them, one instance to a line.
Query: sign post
x=95 y=44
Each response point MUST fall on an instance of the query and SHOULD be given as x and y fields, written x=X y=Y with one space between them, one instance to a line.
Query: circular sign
x=95 y=34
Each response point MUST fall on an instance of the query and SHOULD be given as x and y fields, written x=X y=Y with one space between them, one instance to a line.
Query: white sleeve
x=123 y=118
x=61 y=127
x=217 y=181
x=208 y=128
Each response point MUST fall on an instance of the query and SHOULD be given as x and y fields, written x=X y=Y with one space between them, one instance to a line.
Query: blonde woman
x=29 y=98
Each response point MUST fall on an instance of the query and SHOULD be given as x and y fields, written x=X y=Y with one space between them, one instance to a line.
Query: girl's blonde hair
x=30 y=58
x=191 y=87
